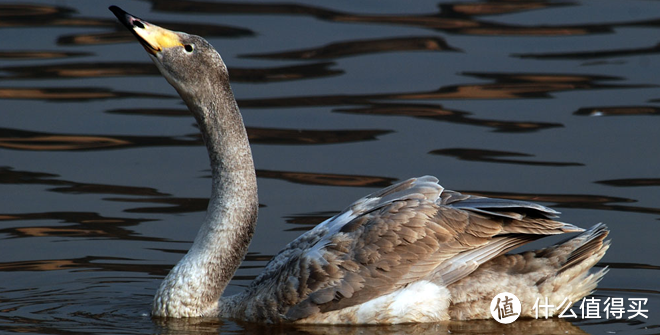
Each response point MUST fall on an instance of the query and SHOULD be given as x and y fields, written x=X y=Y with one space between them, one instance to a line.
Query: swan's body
x=413 y=252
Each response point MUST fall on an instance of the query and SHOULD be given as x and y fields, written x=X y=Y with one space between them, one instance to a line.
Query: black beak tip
x=125 y=18
x=119 y=13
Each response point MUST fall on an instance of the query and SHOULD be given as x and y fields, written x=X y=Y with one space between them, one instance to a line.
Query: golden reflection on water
x=121 y=36
x=439 y=113
x=40 y=141
x=11 y=176
x=125 y=69
x=353 y=48
x=90 y=263
x=70 y=94
x=329 y=179
x=505 y=86
x=29 y=54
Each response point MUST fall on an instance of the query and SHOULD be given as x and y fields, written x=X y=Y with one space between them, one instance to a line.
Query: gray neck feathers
x=195 y=284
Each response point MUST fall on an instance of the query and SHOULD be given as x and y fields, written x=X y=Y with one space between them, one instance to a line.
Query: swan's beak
x=152 y=37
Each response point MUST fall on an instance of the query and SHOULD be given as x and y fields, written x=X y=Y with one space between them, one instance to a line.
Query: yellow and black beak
x=152 y=37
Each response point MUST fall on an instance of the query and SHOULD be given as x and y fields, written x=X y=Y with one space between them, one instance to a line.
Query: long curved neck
x=194 y=286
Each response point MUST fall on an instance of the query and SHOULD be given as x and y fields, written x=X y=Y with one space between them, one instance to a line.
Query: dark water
x=104 y=178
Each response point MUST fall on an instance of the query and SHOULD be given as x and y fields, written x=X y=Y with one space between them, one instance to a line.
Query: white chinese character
x=568 y=308
x=636 y=305
x=592 y=308
x=546 y=306
x=615 y=309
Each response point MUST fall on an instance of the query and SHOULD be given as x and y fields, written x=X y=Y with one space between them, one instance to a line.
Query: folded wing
x=414 y=230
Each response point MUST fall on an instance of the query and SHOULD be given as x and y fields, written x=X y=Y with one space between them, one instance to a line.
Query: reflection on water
x=457 y=18
x=20 y=15
x=584 y=201
x=352 y=48
x=86 y=263
x=493 y=156
x=80 y=224
x=622 y=110
x=79 y=70
x=437 y=112
x=340 y=99
x=505 y=86
x=327 y=179
x=595 y=54
x=40 y=141
x=70 y=94
x=124 y=69
x=15 y=15
x=631 y=182
x=18 y=55
x=472 y=327
x=11 y=176
x=121 y=35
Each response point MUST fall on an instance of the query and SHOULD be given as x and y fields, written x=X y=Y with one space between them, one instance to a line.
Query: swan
x=410 y=253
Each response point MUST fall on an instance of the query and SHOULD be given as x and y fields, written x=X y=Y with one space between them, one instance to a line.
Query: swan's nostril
x=138 y=24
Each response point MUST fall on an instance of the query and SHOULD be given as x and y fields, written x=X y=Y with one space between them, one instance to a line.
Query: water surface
x=105 y=178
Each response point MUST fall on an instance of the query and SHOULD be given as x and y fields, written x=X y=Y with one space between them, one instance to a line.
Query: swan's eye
x=189 y=48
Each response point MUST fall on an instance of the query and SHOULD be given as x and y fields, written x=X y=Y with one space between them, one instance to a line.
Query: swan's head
x=188 y=62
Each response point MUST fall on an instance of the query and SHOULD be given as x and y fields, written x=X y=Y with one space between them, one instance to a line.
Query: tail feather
x=574 y=251
x=590 y=242
x=575 y=257
x=557 y=272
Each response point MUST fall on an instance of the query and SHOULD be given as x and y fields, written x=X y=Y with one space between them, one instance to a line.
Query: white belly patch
x=422 y=301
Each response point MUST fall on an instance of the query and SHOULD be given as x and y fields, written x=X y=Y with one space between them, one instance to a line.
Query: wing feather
x=414 y=230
